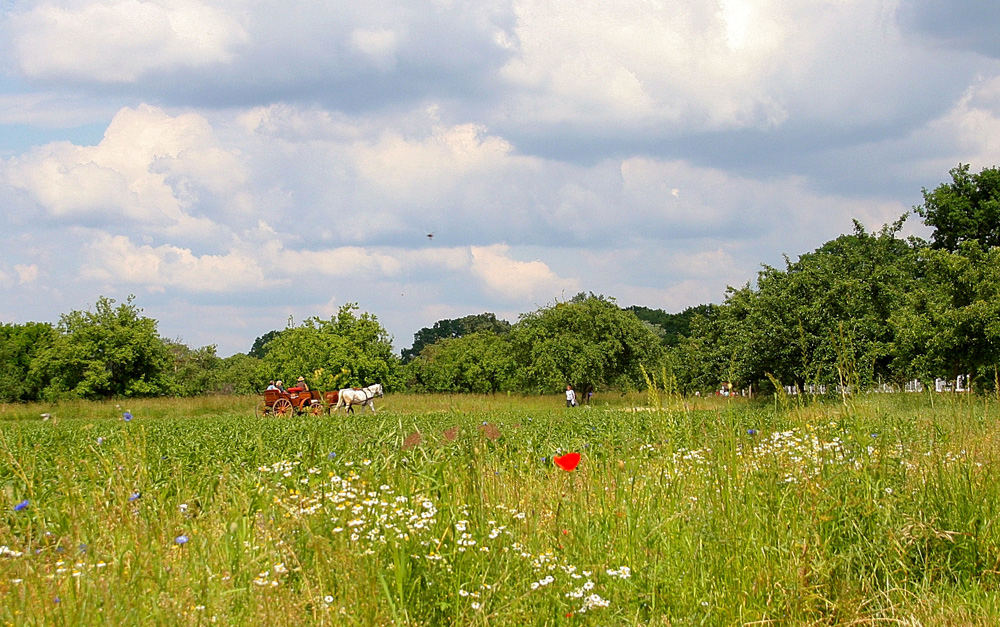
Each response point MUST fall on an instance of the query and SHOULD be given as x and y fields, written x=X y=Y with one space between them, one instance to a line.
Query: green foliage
x=260 y=345
x=671 y=327
x=965 y=210
x=585 y=343
x=950 y=323
x=19 y=346
x=479 y=362
x=108 y=352
x=346 y=350
x=588 y=342
x=454 y=328
x=193 y=370
x=802 y=324
x=239 y=374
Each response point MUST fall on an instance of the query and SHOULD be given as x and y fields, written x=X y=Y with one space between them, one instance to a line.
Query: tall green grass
x=448 y=510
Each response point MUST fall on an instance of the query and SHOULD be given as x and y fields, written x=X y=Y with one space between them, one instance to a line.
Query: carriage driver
x=301 y=385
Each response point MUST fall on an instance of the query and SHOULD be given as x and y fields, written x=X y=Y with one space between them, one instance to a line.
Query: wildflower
x=22 y=505
x=593 y=601
x=567 y=462
x=127 y=416
x=100 y=441
x=328 y=599
x=331 y=455
x=181 y=539
x=751 y=432
x=135 y=496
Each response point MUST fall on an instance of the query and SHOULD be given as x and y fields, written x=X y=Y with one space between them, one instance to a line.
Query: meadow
x=449 y=510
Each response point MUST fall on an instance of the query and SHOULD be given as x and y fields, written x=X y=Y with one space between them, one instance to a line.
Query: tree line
x=862 y=309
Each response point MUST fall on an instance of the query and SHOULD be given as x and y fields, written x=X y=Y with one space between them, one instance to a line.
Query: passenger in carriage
x=278 y=385
x=300 y=386
x=271 y=385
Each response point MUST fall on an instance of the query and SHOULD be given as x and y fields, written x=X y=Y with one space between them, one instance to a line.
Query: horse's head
x=378 y=389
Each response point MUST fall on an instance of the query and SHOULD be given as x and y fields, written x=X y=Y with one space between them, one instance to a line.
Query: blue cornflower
x=751 y=432
x=331 y=455
x=100 y=441
x=127 y=416
x=181 y=539
x=135 y=496
x=22 y=505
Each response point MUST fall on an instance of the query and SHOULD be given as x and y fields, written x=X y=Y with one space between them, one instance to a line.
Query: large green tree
x=965 y=210
x=20 y=344
x=239 y=374
x=192 y=371
x=106 y=352
x=671 y=327
x=260 y=345
x=586 y=342
x=347 y=350
x=454 y=328
x=822 y=319
x=480 y=362
x=950 y=322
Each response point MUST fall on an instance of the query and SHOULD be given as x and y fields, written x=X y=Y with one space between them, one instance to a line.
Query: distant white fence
x=960 y=384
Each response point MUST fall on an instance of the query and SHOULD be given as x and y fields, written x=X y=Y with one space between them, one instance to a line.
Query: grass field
x=448 y=510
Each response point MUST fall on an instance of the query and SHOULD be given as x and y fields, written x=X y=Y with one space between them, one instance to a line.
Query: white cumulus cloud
x=118 y=41
x=150 y=168
x=116 y=260
x=520 y=280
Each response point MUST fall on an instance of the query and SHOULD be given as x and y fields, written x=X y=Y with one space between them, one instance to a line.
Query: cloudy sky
x=239 y=163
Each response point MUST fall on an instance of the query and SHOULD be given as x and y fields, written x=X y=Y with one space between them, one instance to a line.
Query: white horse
x=363 y=396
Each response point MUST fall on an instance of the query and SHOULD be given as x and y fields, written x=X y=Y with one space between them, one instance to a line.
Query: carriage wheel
x=282 y=407
x=262 y=409
x=316 y=409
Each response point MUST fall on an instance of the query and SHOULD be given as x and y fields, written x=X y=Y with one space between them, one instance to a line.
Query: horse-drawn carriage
x=313 y=402
x=287 y=403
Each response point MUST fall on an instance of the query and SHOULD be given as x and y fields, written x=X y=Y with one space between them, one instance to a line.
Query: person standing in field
x=570 y=396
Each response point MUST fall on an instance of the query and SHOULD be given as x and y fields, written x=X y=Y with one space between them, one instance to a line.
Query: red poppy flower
x=567 y=462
